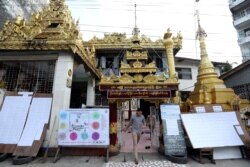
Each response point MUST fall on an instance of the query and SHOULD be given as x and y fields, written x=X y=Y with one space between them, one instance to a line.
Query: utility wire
x=122 y=9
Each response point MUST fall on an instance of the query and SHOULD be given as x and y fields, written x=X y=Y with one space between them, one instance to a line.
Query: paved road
x=146 y=160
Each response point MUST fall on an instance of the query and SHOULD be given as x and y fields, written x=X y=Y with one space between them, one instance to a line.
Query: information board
x=212 y=129
x=84 y=127
x=173 y=133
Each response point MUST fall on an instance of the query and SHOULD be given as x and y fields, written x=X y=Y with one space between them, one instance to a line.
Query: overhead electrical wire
x=78 y=5
x=145 y=4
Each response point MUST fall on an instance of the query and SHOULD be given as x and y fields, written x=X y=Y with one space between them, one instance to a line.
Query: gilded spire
x=209 y=89
x=205 y=66
x=136 y=30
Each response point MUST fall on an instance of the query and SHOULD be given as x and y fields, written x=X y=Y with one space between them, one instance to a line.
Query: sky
x=154 y=17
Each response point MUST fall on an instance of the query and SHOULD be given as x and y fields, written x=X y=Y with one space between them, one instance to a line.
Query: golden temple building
x=46 y=54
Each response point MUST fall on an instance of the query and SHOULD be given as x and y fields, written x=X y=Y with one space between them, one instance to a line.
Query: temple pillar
x=168 y=42
x=91 y=92
x=103 y=62
x=61 y=93
x=164 y=61
x=114 y=149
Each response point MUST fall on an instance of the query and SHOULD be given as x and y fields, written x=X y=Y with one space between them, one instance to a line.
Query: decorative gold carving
x=113 y=128
x=2 y=84
x=171 y=80
x=126 y=78
x=123 y=65
x=137 y=64
x=206 y=99
x=151 y=65
x=150 y=78
x=50 y=29
x=138 y=70
x=121 y=41
x=138 y=77
x=235 y=101
x=161 y=77
x=105 y=79
x=178 y=40
x=114 y=149
x=136 y=55
x=168 y=42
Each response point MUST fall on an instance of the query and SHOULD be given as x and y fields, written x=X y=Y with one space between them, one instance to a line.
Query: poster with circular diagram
x=84 y=127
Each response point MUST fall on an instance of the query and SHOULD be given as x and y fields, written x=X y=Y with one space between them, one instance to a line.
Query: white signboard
x=173 y=135
x=212 y=129
x=38 y=116
x=227 y=153
x=217 y=108
x=84 y=127
x=13 y=117
x=200 y=109
x=172 y=127
x=170 y=111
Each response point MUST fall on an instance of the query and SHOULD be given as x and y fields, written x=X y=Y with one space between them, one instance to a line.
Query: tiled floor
x=143 y=164
x=144 y=141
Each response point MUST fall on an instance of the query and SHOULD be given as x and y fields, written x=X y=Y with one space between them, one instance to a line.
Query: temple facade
x=46 y=54
x=40 y=55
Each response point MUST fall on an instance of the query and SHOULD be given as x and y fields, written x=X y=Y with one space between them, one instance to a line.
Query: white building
x=241 y=15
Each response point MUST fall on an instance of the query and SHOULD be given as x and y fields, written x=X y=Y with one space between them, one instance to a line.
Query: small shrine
x=209 y=89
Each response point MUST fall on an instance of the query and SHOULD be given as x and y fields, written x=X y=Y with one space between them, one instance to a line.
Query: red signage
x=153 y=94
x=135 y=87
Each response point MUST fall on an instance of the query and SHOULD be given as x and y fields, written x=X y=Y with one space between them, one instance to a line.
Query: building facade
x=239 y=79
x=187 y=71
x=45 y=55
x=241 y=15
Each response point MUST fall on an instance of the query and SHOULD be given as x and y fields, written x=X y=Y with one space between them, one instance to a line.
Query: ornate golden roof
x=138 y=71
x=118 y=40
x=50 y=29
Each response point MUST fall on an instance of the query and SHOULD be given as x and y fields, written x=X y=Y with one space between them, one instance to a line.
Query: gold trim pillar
x=113 y=128
x=168 y=43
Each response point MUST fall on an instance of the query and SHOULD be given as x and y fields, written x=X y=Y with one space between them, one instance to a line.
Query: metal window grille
x=184 y=73
x=33 y=76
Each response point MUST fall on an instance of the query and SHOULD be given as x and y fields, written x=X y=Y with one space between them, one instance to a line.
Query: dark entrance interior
x=78 y=94
x=145 y=107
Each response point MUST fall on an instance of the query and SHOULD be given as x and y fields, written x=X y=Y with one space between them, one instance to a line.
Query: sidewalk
x=146 y=160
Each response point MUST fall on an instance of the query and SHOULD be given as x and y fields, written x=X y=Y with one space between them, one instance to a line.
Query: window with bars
x=243 y=91
x=184 y=73
x=32 y=76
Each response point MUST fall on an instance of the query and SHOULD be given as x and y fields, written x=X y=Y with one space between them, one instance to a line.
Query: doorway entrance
x=146 y=143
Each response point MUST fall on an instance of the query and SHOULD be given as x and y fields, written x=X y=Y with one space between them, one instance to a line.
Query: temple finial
x=136 y=30
x=200 y=31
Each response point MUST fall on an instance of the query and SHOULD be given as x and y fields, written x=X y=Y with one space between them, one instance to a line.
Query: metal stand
x=58 y=154
x=205 y=152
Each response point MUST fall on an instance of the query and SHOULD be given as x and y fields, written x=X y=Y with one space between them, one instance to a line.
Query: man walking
x=136 y=121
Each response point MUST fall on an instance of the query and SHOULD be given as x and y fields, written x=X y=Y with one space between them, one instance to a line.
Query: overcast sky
x=155 y=16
